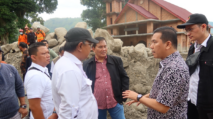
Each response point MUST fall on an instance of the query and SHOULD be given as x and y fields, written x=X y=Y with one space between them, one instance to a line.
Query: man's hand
x=130 y=94
x=53 y=116
x=23 y=112
x=132 y=101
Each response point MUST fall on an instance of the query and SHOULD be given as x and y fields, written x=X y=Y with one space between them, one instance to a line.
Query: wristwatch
x=54 y=112
x=23 y=106
x=139 y=97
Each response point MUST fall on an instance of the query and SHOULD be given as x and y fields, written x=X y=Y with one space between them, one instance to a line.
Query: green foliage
x=34 y=17
x=13 y=15
x=67 y=23
x=95 y=14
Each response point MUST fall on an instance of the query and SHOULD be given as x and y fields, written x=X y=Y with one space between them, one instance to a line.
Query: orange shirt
x=40 y=35
x=22 y=38
x=3 y=62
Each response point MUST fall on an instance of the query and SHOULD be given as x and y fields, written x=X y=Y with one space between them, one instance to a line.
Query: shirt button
x=105 y=76
x=103 y=69
x=105 y=82
x=106 y=89
x=107 y=96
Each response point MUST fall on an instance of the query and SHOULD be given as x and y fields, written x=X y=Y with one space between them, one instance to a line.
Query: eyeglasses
x=90 y=44
x=186 y=31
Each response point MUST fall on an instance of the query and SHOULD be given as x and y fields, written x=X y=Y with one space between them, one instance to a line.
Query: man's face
x=20 y=48
x=42 y=57
x=38 y=29
x=194 y=32
x=157 y=46
x=100 y=49
x=31 y=30
x=46 y=44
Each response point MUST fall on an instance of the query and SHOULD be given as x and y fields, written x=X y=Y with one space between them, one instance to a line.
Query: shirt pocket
x=208 y=63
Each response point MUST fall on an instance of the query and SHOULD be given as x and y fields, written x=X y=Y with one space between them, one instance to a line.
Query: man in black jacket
x=200 y=62
x=31 y=37
x=109 y=80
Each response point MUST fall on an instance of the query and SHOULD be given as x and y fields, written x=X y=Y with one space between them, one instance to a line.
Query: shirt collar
x=43 y=69
x=169 y=58
x=97 y=59
x=204 y=42
x=72 y=57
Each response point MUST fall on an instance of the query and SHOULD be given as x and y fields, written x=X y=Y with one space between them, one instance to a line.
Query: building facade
x=138 y=19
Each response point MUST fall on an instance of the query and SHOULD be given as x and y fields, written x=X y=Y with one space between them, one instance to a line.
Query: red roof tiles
x=138 y=9
x=179 y=12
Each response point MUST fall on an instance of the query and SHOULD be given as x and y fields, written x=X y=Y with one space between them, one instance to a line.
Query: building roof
x=179 y=12
x=138 y=9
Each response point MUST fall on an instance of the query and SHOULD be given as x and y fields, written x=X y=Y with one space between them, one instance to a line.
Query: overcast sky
x=73 y=8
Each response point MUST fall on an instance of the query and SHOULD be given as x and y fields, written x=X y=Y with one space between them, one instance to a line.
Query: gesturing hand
x=130 y=94
x=131 y=102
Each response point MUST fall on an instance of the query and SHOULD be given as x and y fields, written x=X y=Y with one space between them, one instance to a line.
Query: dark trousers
x=195 y=113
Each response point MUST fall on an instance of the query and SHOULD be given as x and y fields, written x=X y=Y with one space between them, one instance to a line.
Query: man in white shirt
x=200 y=63
x=71 y=88
x=38 y=84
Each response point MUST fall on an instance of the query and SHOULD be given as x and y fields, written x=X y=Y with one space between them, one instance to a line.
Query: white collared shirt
x=38 y=85
x=72 y=93
x=194 y=79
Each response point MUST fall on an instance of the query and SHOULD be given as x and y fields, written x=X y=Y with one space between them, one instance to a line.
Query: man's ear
x=79 y=46
x=168 y=45
x=33 y=57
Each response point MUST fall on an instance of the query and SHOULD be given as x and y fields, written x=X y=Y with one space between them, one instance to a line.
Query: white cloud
x=196 y=6
x=73 y=8
x=66 y=9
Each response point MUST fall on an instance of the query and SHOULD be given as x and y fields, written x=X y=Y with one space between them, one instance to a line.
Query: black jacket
x=119 y=78
x=205 y=84
x=31 y=37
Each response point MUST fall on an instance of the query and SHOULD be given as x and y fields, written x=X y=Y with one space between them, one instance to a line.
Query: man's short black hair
x=167 y=34
x=71 y=46
x=98 y=39
x=61 y=49
x=34 y=48
x=23 y=45
x=43 y=41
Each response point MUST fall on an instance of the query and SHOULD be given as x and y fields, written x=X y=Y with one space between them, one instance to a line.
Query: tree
x=13 y=14
x=34 y=17
x=95 y=14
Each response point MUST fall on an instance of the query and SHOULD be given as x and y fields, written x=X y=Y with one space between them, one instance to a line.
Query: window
x=110 y=7
x=111 y=31
x=110 y=20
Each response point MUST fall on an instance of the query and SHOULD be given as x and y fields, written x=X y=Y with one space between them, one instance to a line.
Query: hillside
x=67 y=23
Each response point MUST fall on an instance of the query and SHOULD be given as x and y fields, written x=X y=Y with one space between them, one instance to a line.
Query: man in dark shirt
x=109 y=80
x=23 y=48
x=11 y=89
x=168 y=97
x=31 y=37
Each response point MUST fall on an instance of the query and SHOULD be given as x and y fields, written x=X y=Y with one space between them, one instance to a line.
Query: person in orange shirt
x=27 y=31
x=40 y=34
x=22 y=37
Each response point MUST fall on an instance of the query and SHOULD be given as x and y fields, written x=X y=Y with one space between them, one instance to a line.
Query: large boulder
x=52 y=43
x=60 y=33
x=62 y=44
x=36 y=24
x=81 y=25
x=14 y=47
x=91 y=32
x=6 y=48
x=118 y=43
x=50 y=36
